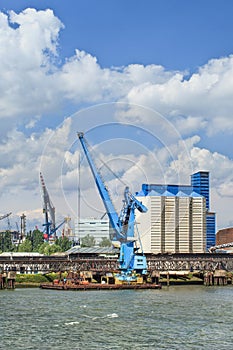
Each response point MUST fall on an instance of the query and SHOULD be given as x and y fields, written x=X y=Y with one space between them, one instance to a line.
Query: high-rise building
x=200 y=183
x=210 y=229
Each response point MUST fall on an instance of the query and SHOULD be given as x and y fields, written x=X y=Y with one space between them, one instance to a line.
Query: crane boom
x=5 y=216
x=123 y=226
x=113 y=217
x=48 y=209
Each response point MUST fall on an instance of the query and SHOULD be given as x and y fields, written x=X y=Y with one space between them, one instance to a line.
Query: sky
x=150 y=83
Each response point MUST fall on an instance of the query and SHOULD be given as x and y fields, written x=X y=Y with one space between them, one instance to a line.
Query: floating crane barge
x=99 y=286
x=84 y=281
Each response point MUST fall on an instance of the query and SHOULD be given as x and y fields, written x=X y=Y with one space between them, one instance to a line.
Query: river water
x=175 y=317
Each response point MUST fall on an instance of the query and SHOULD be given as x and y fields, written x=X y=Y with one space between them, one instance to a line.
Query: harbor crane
x=48 y=210
x=8 y=220
x=5 y=216
x=131 y=262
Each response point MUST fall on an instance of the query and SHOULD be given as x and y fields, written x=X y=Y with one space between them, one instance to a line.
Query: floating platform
x=99 y=286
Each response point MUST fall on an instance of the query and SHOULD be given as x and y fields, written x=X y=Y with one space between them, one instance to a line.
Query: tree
x=64 y=243
x=105 y=242
x=49 y=249
x=25 y=246
x=43 y=247
x=5 y=242
x=88 y=241
x=37 y=239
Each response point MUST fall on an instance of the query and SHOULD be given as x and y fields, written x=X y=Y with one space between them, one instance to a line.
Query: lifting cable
x=104 y=164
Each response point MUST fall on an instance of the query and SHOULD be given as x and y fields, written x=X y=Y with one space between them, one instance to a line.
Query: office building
x=97 y=228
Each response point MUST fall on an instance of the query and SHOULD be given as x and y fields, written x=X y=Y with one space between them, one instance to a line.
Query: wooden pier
x=7 y=280
x=217 y=278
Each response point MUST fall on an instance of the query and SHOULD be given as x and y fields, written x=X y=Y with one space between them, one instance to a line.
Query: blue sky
x=149 y=81
x=177 y=34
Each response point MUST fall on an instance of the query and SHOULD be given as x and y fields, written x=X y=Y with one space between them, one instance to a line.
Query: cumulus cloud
x=32 y=81
x=35 y=82
x=202 y=100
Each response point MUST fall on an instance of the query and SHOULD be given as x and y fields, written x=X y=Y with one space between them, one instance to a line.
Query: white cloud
x=205 y=99
x=34 y=82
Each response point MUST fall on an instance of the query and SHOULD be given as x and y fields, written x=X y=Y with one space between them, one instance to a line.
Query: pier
x=156 y=263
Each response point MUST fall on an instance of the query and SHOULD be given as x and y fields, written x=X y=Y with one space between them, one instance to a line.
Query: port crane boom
x=130 y=261
x=5 y=216
x=48 y=210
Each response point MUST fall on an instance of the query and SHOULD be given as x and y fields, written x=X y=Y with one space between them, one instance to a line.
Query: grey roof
x=153 y=193
x=182 y=194
x=195 y=194
x=140 y=194
x=21 y=254
x=91 y=250
x=168 y=194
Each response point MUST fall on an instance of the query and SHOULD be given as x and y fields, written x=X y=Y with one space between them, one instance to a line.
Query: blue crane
x=131 y=262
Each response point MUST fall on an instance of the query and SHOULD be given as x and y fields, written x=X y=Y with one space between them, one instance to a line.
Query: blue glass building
x=200 y=181
x=210 y=230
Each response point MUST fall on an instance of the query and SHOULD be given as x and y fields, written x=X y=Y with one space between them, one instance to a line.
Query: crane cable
x=101 y=160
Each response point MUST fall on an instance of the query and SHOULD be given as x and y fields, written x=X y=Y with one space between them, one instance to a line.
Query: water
x=178 y=317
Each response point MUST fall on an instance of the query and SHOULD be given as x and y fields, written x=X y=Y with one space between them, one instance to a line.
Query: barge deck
x=99 y=286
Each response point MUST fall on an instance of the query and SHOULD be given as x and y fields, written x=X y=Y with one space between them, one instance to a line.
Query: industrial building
x=224 y=236
x=178 y=218
x=98 y=228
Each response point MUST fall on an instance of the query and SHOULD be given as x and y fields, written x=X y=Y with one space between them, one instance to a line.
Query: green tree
x=105 y=242
x=52 y=248
x=88 y=241
x=64 y=243
x=42 y=247
x=37 y=239
x=25 y=246
x=49 y=249
x=5 y=242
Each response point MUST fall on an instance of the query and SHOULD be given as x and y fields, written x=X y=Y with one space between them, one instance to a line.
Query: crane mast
x=130 y=261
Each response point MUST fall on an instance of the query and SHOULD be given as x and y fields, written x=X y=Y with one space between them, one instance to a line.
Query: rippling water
x=178 y=317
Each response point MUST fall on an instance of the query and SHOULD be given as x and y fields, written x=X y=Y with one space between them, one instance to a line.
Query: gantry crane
x=131 y=262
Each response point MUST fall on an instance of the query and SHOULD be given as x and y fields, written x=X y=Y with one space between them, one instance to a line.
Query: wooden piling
x=168 y=279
